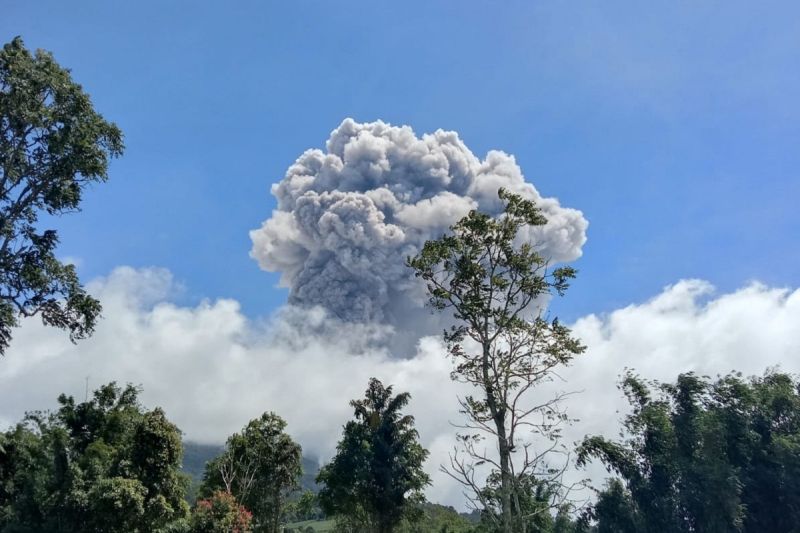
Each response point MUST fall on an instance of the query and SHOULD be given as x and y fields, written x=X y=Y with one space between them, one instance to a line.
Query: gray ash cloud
x=349 y=215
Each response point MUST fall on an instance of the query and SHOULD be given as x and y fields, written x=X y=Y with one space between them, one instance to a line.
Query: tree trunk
x=275 y=516
x=505 y=474
x=499 y=416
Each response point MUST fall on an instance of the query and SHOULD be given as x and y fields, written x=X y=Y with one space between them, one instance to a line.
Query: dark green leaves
x=101 y=465
x=259 y=466
x=704 y=456
x=376 y=477
x=53 y=144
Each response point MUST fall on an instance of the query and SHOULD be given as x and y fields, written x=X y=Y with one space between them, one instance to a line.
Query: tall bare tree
x=504 y=344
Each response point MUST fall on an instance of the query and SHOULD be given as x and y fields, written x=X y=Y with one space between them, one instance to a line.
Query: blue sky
x=673 y=126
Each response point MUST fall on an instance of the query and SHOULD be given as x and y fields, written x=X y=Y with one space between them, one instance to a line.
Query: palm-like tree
x=377 y=475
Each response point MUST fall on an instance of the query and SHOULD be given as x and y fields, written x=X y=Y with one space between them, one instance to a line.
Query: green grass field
x=317 y=525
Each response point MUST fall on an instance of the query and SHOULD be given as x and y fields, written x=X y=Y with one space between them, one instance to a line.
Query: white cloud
x=684 y=328
x=212 y=369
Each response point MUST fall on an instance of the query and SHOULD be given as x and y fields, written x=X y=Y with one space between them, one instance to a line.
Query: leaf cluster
x=101 y=465
x=376 y=477
x=701 y=455
x=260 y=466
x=53 y=145
x=495 y=288
x=220 y=513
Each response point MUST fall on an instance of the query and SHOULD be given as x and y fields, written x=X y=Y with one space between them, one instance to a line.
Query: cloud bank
x=213 y=369
x=687 y=327
x=348 y=216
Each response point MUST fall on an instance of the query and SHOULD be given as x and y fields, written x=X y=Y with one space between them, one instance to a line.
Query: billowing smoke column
x=347 y=218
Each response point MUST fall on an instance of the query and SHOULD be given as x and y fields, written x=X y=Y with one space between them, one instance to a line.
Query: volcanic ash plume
x=348 y=216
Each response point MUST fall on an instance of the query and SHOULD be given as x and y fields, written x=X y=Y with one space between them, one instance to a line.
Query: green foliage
x=704 y=456
x=530 y=505
x=564 y=522
x=122 y=498
x=220 y=514
x=101 y=465
x=195 y=458
x=376 y=478
x=259 y=466
x=53 y=145
x=615 y=511
x=501 y=343
x=303 y=507
x=434 y=518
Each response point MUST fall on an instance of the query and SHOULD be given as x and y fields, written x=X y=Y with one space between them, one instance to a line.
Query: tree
x=220 y=514
x=614 y=511
x=703 y=456
x=376 y=478
x=155 y=452
x=101 y=465
x=502 y=344
x=53 y=145
x=303 y=507
x=259 y=467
